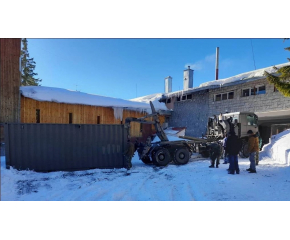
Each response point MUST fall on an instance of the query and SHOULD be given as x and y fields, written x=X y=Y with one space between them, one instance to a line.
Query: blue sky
x=113 y=67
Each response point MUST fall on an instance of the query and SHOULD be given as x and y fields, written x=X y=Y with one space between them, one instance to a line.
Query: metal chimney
x=168 y=84
x=217 y=64
x=187 y=78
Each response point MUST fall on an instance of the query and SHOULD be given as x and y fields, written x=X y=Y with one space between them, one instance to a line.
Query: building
x=244 y=92
x=55 y=105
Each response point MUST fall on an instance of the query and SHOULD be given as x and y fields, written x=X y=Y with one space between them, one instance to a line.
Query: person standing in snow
x=215 y=154
x=129 y=153
x=260 y=145
x=233 y=147
x=225 y=151
x=253 y=147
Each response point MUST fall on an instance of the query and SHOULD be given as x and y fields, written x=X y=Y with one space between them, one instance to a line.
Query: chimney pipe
x=217 y=64
x=168 y=84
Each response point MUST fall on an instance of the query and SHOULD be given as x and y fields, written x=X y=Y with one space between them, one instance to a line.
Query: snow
x=118 y=113
x=193 y=181
x=60 y=95
x=244 y=76
x=154 y=98
x=279 y=148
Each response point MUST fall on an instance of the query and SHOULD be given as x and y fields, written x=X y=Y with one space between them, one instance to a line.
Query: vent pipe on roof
x=168 y=84
x=187 y=78
x=217 y=64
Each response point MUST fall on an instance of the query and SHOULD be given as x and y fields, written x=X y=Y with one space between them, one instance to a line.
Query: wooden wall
x=51 y=112
x=9 y=80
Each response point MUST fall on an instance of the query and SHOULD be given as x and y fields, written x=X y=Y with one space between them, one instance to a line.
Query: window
x=261 y=89
x=178 y=99
x=246 y=92
x=189 y=96
x=252 y=120
x=168 y=100
x=218 y=97
x=253 y=91
x=224 y=96
x=98 y=119
x=37 y=115
x=70 y=118
x=183 y=98
x=275 y=89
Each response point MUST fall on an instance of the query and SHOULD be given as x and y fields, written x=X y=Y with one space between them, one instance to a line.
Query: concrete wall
x=191 y=114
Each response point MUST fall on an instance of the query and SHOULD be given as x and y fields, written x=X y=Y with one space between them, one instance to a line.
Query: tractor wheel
x=161 y=157
x=146 y=160
x=181 y=156
x=205 y=154
x=244 y=151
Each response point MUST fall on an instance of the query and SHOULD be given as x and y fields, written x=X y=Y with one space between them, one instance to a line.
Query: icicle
x=118 y=113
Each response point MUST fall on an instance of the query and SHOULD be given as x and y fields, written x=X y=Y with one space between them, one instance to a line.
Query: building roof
x=234 y=80
x=60 y=95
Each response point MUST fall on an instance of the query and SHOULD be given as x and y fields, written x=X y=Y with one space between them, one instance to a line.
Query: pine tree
x=27 y=67
x=282 y=80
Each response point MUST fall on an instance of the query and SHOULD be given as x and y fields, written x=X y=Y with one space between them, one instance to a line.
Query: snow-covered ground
x=193 y=181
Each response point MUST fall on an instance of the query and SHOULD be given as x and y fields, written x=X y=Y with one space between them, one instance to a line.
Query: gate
x=64 y=147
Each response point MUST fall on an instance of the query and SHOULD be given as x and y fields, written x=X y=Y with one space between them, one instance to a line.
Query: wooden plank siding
x=52 y=112
x=9 y=80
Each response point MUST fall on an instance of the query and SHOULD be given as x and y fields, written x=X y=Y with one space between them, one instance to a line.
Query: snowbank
x=154 y=98
x=61 y=95
x=279 y=148
x=244 y=76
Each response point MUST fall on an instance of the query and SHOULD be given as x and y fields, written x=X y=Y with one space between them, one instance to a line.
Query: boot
x=253 y=171
x=211 y=166
x=217 y=166
x=249 y=169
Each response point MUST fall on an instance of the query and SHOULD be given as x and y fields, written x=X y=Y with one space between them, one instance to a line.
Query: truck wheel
x=181 y=156
x=244 y=151
x=161 y=157
x=205 y=154
x=146 y=160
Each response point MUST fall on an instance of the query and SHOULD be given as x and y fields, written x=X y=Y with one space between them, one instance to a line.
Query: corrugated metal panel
x=64 y=147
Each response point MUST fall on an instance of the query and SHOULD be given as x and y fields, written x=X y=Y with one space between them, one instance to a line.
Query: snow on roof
x=244 y=76
x=154 y=98
x=252 y=75
x=60 y=95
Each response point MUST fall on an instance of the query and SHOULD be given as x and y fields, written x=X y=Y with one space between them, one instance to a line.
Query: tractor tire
x=244 y=151
x=161 y=157
x=205 y=154
x=146 y=160
x=181 y=156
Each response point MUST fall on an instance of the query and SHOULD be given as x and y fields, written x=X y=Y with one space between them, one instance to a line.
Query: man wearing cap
x=253 y=147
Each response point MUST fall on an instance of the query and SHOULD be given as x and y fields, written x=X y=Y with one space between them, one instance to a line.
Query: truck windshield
x=252 y=119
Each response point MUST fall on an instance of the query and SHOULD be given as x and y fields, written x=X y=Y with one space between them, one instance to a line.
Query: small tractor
x=164 y=151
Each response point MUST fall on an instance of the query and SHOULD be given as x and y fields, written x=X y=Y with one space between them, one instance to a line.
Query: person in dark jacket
x=233 y=147
x=214 y=154
x=129 y=153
